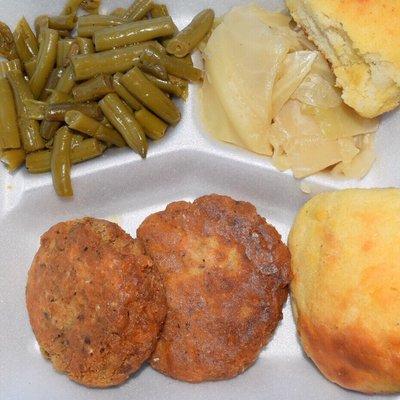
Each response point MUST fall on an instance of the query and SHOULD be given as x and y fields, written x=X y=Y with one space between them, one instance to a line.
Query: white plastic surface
x=122 y=188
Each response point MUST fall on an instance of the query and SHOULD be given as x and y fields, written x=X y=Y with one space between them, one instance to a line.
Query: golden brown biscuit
x=345 y=291
x=95 y=301
x=225 y=272
x=361 y=39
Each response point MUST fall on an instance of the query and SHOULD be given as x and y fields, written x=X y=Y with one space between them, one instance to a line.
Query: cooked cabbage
x=359 y=166
x=242 y=73
x=318 y=92
x=267 y=89
x=340 y=121
x=298 y=135
x=291 y=74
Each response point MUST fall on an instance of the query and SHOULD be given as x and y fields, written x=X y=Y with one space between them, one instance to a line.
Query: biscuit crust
x=361 y=39
x=346 y=286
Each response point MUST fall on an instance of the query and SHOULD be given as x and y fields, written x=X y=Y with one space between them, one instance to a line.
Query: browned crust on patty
x=225 y=271
x=95 y=301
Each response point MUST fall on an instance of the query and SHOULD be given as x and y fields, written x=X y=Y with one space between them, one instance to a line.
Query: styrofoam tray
x=122 y=188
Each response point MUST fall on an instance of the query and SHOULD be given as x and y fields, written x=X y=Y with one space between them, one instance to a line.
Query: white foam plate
x=121 y=187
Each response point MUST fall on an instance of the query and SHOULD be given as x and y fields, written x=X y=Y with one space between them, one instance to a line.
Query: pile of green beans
x=75 y=86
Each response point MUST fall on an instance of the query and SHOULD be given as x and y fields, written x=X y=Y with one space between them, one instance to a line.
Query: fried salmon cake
x=226 y=274
x=96 y=303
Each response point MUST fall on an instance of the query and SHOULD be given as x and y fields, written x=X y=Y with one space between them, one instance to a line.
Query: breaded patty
x=225 y=273
x=96 y=303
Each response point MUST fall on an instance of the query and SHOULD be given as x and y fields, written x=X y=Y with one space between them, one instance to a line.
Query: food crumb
x=305 y=187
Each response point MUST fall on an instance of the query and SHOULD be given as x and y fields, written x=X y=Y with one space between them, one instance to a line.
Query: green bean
x=62 y=22
x=174 y=66
x=151 y=96
x=49 y=144
x=71 y=7
x=35 y=109
x=45 y=63
x=157 y=46
x=106 y=122
x=76 y=140
x=56 y=112
x=49 y=128
x=153 y=126
x=124 y=94
x=179 y=81
x=61 y=162
x=138 y=10
x=54 y=78
x=62 y=91
x=91 y=6
x=9 y=133
x=188 y=59
x=30 y=67
x=40 y=161
x=88 y=31
x=25 y=41
x=179 y=89
x=28 y=128
x=118 y=12
x=10 y=65
x=159 y=10
x=100 y=20
x=133 y=32
x=107 y=62
x=94 y=88
x=156 y=70
x=63 y=34
x=86 y=45
x=20 y=90
x=82 y=123
x=7 y=44
x=65 y=83
x=13 y=158
x=41 y=23
x=30 y=134
x=123 y=120
x=187 y=39
x=88 y=24
x=63 y=47
x=51 y=83
x=74 y=50
x=59 y=95
x=88 y=149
